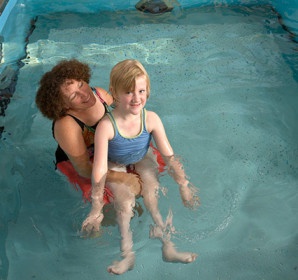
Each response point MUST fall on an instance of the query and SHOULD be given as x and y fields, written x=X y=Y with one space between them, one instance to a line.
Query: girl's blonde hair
x=124 y=74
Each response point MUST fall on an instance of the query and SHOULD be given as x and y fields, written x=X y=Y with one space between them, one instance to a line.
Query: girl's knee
x=125 y=205
x=150 y=192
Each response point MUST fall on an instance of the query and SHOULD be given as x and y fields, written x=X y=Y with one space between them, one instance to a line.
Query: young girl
x=123 y=139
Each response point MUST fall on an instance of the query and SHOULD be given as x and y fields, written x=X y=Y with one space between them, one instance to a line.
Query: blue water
x=224 y=81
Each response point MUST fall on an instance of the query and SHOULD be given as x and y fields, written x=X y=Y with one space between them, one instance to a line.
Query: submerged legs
x=169 y=252
x=124 y=202
x=161 y=230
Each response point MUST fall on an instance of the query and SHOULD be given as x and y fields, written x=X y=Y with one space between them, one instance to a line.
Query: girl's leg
x=124 y=201
x=147 y=169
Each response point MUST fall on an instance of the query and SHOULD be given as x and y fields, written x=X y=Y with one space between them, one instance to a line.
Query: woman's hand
x=91 y=225
x=189 y=195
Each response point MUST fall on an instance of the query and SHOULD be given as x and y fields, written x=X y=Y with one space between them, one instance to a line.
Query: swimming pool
x=229 y=78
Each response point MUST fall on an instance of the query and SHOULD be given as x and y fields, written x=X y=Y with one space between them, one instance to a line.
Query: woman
x=65 y=97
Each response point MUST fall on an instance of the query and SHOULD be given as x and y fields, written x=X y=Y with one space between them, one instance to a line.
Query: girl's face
x=134 y=101
x=77 y=95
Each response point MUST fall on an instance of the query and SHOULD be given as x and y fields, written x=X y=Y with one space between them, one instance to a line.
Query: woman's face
x=77 y=95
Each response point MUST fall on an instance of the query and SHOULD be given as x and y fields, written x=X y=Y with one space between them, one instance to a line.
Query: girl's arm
x=104 y=132
x=175 y=167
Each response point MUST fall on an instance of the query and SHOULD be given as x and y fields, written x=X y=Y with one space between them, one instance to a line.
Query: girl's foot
x=170 y=254
x=119 y=267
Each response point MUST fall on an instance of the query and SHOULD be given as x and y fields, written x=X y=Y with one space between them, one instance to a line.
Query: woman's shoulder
x=104 y=95
x=64 y=120
x=67 y=123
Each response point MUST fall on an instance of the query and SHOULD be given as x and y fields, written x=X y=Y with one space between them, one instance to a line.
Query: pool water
x=224 y=81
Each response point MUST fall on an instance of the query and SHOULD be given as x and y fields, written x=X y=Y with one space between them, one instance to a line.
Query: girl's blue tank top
x=125 y=151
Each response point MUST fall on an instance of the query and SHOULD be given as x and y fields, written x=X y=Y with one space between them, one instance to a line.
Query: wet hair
x=49 y=99
x=124 y=74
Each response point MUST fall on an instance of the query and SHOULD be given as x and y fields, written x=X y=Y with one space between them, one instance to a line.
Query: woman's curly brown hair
x=49 y=96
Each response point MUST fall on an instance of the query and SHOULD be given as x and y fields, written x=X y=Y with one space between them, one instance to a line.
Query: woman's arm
x=69 y=136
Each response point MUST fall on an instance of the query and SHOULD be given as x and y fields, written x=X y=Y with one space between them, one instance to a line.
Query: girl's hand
x=91 y=225
x=189 y=195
